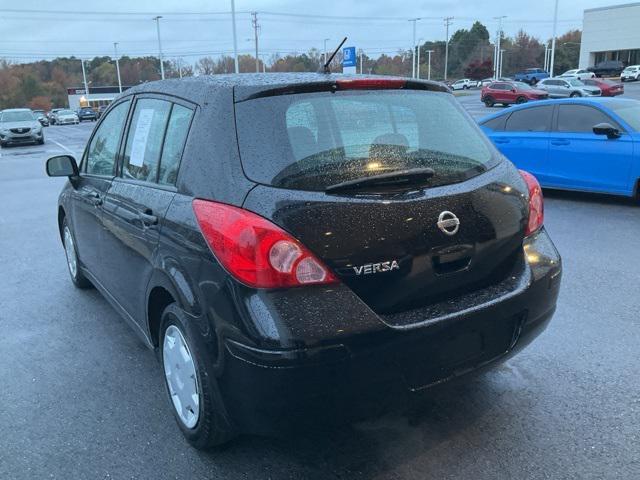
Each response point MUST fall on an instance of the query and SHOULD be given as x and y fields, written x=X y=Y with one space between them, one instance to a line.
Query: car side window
x=175 y=138
x=145 y=138
x=103 y=149
x=580 y=118
x=495 y=124
x=536 y=119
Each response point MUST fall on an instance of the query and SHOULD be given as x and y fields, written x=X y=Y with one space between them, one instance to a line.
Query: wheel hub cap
x=180 y=373
x=70 y=251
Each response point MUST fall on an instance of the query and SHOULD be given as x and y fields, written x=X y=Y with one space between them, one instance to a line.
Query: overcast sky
x=88 y=28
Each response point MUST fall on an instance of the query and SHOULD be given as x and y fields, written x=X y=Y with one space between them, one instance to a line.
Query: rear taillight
x=255 y=251
x=536 y=203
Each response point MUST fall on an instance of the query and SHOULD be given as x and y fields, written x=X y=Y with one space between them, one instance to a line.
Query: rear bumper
x=270 y=391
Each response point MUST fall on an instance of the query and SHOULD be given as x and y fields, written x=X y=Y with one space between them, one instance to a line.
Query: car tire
x=534 y=80
x=574 y=95
x=41 y=141
x=209 y=427
x=489 y=102
x=521 y=100
x=73 y=262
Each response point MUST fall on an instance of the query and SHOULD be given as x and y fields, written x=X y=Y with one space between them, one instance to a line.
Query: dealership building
x=97 y=96
x=611 y=33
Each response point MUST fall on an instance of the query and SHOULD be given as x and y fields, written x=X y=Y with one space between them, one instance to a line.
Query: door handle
x=560 y=142
x=501 y=140
x=148 y=219
x=95 y=198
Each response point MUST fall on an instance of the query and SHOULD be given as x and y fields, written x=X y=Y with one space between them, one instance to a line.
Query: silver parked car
x=567 y=87
x=19 y=126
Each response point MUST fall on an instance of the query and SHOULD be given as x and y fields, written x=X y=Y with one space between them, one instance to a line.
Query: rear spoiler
x=336 y=83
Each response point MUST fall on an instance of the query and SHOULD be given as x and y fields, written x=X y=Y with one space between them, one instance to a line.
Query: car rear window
x=314 y=140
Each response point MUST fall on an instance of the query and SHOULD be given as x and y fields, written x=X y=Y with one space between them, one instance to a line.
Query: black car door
x=97 y=172
x=140 y=195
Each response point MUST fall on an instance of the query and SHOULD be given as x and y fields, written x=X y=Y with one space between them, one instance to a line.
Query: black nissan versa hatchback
x=296 y=246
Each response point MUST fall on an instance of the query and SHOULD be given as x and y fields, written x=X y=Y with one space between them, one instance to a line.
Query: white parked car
x=579 y=73
x=65 y=117
x=632 y=72
x=463 y=84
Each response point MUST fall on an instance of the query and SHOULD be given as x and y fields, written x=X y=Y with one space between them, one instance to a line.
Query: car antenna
x=325 y=67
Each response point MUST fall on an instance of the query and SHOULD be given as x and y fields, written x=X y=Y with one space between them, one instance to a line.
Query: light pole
x=325 y=40
x=553 y=39
x=429 y=65
x=413 y=50
x=501 y=60
x=235 y=36
x=418 y=62
x=84 y=79
x=447 y=22
x=254 y=23
x=157 y=19
x=115 y=49
x=496 y=51
x=361 y=60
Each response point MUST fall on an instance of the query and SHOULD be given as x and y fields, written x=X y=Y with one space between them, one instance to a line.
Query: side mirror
x=606 y=129
x=62 y=166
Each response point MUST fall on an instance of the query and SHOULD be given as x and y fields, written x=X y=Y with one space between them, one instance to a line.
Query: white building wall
x=609 y=29
x=74 y=100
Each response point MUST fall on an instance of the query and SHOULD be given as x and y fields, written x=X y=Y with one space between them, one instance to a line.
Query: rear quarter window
x=495 y=124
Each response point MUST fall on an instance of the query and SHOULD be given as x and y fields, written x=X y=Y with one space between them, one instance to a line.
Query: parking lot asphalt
x=82 y=398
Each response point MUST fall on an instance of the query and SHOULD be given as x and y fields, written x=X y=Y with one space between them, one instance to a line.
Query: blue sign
x=349 y=57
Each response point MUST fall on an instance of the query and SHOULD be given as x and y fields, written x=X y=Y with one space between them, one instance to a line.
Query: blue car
x=586 y=144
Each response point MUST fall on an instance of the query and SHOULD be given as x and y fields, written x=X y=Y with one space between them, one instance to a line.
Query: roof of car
x=604 y=101
x=16 y=110
x=198 y=87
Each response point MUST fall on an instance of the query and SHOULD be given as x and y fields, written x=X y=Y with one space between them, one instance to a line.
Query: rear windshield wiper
x=392 y=181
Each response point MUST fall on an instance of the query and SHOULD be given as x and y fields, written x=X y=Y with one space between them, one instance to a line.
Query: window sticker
x=140 y=137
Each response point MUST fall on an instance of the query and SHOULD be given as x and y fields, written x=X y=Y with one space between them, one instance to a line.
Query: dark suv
x=296 y=246
x=608 y=68
x=87 y=113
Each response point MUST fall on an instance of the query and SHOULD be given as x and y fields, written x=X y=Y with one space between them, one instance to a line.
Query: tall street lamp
x=325 y=40
x=418 y=62
x=157 y=19
x=413 y=49
x=235 y=36
x=447 y=23
x=429 y=65
x=115 y=49
x=553 y=39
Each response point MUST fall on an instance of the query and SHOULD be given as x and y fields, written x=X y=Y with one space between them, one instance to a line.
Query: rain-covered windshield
x=21 y=116
x=312 y=141
x=522 y=86
x=575 y=82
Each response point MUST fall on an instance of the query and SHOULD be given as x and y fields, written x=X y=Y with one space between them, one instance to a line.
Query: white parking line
x=62 y=146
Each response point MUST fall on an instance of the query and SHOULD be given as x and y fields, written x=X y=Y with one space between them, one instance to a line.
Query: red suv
x=507 y=93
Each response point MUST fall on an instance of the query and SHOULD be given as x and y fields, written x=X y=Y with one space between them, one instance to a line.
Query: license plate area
x=456 y=348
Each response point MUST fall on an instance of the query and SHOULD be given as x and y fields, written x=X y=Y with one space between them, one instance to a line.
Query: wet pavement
x=81 y=397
